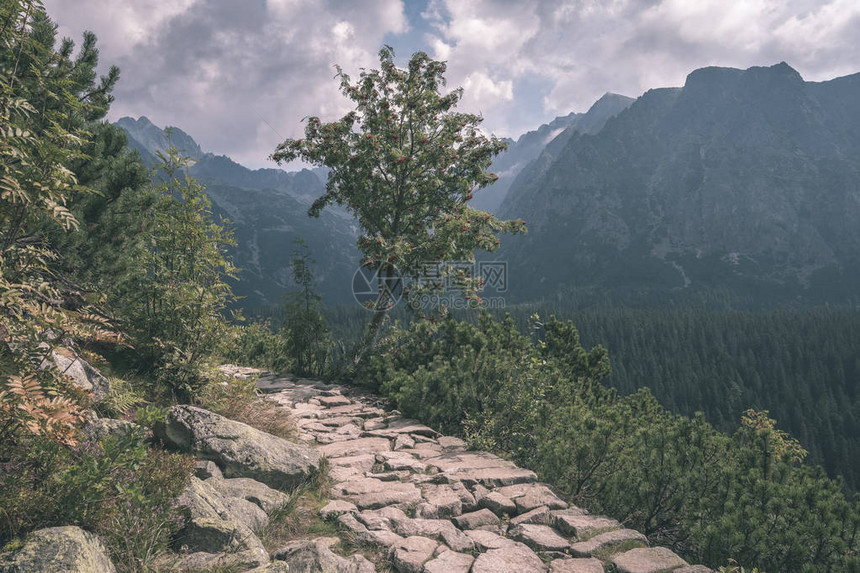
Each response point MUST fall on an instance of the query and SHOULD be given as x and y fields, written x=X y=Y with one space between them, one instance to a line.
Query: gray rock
x=583 y=526
x=410 y=554
x=238 y=449
x=481 y=467
x=209 y=542
x=694 y=569
x=82 y=374
x=97 y=429
x=381 y=518
x=606 y=542
x=247 y=513
x=316 y=557
x=205 y=469
x=476 y=519
x=540 y=516
x=403 y=441
x=258 y=493
x=486 y=540
x=648 y=560
x=218 y=526
x=59 y=550
x=529 y=496
x=539 y=537
x=446 y=500
x=273 y=567
x=452 y=443
x=576 y=565
x=439 y=529
x=356 y=447
x=336 y=508
x=449 y=562
x=369 y=493
x=333 y=401
x=498 y=504
x=513 y=558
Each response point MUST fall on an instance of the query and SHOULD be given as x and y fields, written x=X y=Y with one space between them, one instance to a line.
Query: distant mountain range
x=268 y=210
x=743 y=181
x=520 y=153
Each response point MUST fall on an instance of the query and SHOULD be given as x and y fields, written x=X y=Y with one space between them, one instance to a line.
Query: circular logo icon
x=369 y=283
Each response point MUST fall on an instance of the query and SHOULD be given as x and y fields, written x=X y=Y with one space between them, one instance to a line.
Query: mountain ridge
x=742 y=179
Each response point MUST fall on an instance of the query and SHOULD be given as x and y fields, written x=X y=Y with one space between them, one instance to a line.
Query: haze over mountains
x=743 y=181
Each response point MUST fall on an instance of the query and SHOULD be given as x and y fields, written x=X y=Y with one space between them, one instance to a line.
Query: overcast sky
x=239 y=75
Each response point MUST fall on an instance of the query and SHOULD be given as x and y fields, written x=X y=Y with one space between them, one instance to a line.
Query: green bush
x=119 y=488
x=256 y=345
x=684 y=484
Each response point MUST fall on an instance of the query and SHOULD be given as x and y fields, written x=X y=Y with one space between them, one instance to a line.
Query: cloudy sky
x=239 y=75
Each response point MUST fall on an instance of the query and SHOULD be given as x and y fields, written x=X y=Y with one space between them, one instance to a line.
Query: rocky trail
x=434 y=506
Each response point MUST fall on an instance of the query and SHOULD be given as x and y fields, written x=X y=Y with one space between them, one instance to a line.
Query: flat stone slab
x=476 y=519
x=410 y=554
x=694 y=569
x=369 y=493
x=583 y=526
x=498 y=504
x=605 y=542
x=514 y=558
x=446 y=500
x=494 y=477
x=356 y=447
x=335 y=508
x=648 y=560
x=528 y=496
x=576 y=565
x=332 y=401
x=540 y=516
x=486 y=540
x=439 y=529
x=539 y=537
x=450 y=562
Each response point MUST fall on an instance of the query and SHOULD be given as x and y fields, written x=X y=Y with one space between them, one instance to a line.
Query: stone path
x=436 y=506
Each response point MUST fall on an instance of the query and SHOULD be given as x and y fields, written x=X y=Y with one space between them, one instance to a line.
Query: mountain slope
x=743 y=180
x=268 y=210
x=521 y=153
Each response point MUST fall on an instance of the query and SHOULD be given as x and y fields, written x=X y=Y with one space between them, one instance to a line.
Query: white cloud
x=218 y=68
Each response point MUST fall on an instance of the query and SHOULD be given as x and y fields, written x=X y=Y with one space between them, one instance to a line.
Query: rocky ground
x=419 y=501
x=434 y=506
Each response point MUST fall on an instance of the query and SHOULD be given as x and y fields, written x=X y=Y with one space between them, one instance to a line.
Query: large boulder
x=220 y=529
x=81 y=373
x=238 y=449
x=59 y=550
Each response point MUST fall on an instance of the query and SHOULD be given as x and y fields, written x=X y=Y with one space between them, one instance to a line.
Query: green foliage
x=119 y=488
x=256 y=345
x=684 y=484
x=174 y=295
x=304 y=328
x=406 y=165
x=801 y=365
x=48 y=99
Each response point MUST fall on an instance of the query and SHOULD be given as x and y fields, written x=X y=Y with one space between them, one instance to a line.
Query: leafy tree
x=304 y=325
x=48 y=99
x=175 y=292
x=406 y=165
